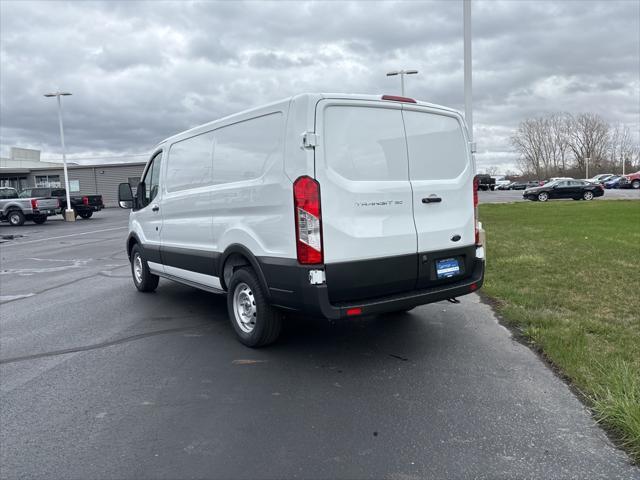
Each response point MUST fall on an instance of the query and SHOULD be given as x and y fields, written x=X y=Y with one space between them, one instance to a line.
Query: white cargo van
x=328 y=204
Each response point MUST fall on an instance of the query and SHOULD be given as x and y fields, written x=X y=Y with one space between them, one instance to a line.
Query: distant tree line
x=559 y=144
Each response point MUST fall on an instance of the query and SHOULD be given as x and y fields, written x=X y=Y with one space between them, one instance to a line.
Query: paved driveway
x=100 y=381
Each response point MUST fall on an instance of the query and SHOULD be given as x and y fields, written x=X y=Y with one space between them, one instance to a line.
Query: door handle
x=155 y=208
x=431 y=199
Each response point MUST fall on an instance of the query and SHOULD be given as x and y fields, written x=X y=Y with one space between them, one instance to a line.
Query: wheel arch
x=132 y=240
x=235 y=256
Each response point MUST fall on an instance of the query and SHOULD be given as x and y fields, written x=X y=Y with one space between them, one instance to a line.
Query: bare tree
x=588 y=138
x=621 y=148
x=543 y=145
x=559 y=144
x=527 y=140
x=492 y=170
x=559 y=126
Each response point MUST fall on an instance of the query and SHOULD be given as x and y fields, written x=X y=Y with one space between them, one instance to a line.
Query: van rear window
x=365 y=143
x=437 y=147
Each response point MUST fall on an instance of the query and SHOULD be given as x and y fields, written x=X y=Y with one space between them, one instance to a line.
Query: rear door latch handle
x=155 y=208
x=432 y=199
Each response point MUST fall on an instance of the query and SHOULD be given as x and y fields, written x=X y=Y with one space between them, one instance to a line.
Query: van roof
x=309 y=97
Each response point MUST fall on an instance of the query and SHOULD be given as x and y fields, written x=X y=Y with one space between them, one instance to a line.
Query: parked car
x=83 y=205
x=16 y=210
x=299 y=228
x=523 y=185
x=576 y=189
x=615 y=181
x=603 y=177
x=501 y=182
x=505 y=186
x=486 y=182
x=633 y=181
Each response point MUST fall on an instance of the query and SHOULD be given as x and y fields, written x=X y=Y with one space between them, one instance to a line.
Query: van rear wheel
x=143 y=279
x=255 y=322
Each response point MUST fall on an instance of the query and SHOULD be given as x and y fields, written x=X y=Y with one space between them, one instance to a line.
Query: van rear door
x=441 y=171
x=369 y=236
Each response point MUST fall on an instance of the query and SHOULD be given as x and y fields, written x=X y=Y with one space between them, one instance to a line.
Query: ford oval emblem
x=455 y=238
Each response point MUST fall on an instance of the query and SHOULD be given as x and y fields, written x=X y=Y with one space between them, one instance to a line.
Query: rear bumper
x=88 y=208
x=396 y=302
x=289 y=288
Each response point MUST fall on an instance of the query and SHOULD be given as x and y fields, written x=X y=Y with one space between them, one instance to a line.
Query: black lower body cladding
x=374 y=286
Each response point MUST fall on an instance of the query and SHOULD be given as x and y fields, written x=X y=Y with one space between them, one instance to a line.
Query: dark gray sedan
x=576 y=189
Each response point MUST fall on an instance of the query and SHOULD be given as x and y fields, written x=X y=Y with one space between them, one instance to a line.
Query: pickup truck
x=633 y=180
x=16 y=210
x=83 y=205
x=486 y=182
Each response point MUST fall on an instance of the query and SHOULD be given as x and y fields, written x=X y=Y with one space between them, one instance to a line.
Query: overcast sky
x=141 y=71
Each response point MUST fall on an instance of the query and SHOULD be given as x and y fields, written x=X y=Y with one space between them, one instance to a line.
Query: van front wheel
x=255 y=322
x=143 y=279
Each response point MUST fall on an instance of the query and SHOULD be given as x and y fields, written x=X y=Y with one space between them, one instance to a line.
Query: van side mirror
x=125 y=196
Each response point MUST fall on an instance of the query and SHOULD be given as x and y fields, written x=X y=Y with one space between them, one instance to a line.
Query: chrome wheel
x=137 y=268
x=14 y=219
x=543 y=197
x=588 y=195
x=244 y=307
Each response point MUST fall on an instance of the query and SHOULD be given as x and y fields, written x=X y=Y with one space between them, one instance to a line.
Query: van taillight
x=34 y=204
x=85 y=200
x=476 y=183
x=308 y=218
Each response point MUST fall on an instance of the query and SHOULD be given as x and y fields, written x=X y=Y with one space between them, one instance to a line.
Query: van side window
x=189 y=163
x=151 y=179
x=437 y=147
x=244 y=150
x=364 y=143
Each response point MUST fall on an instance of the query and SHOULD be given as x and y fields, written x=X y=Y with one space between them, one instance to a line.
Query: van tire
x=143 y=279
x=15 y=218
x=245 y=292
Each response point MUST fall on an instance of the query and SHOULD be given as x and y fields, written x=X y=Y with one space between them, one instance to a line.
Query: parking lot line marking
x=64 y=236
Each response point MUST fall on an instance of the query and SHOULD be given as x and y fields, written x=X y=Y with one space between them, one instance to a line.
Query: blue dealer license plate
x=449 y=267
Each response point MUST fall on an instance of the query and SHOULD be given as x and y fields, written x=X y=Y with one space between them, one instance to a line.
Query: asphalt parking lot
x=100 y=381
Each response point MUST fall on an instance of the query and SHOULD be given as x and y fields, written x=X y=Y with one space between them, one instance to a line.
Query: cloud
x=141 y=71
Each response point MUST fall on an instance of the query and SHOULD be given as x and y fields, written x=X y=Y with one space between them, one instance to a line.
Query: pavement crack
x=97 y=346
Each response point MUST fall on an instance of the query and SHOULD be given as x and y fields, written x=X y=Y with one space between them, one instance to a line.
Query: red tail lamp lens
x=308 y=218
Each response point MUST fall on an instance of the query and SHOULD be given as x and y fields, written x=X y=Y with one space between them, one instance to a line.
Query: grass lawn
x=567 y=276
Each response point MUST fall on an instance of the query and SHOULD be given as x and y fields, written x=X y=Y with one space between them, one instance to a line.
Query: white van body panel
x=441 y=166
x=365 y=215
x=250 y=212
x=146 y=224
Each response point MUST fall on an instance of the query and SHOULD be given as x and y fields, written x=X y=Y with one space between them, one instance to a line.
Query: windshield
x=552 y=183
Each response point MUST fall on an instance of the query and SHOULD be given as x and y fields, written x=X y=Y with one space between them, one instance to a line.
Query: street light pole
x=402 y=73
x=587 y=163
x=69 y=215
x=468 y=109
